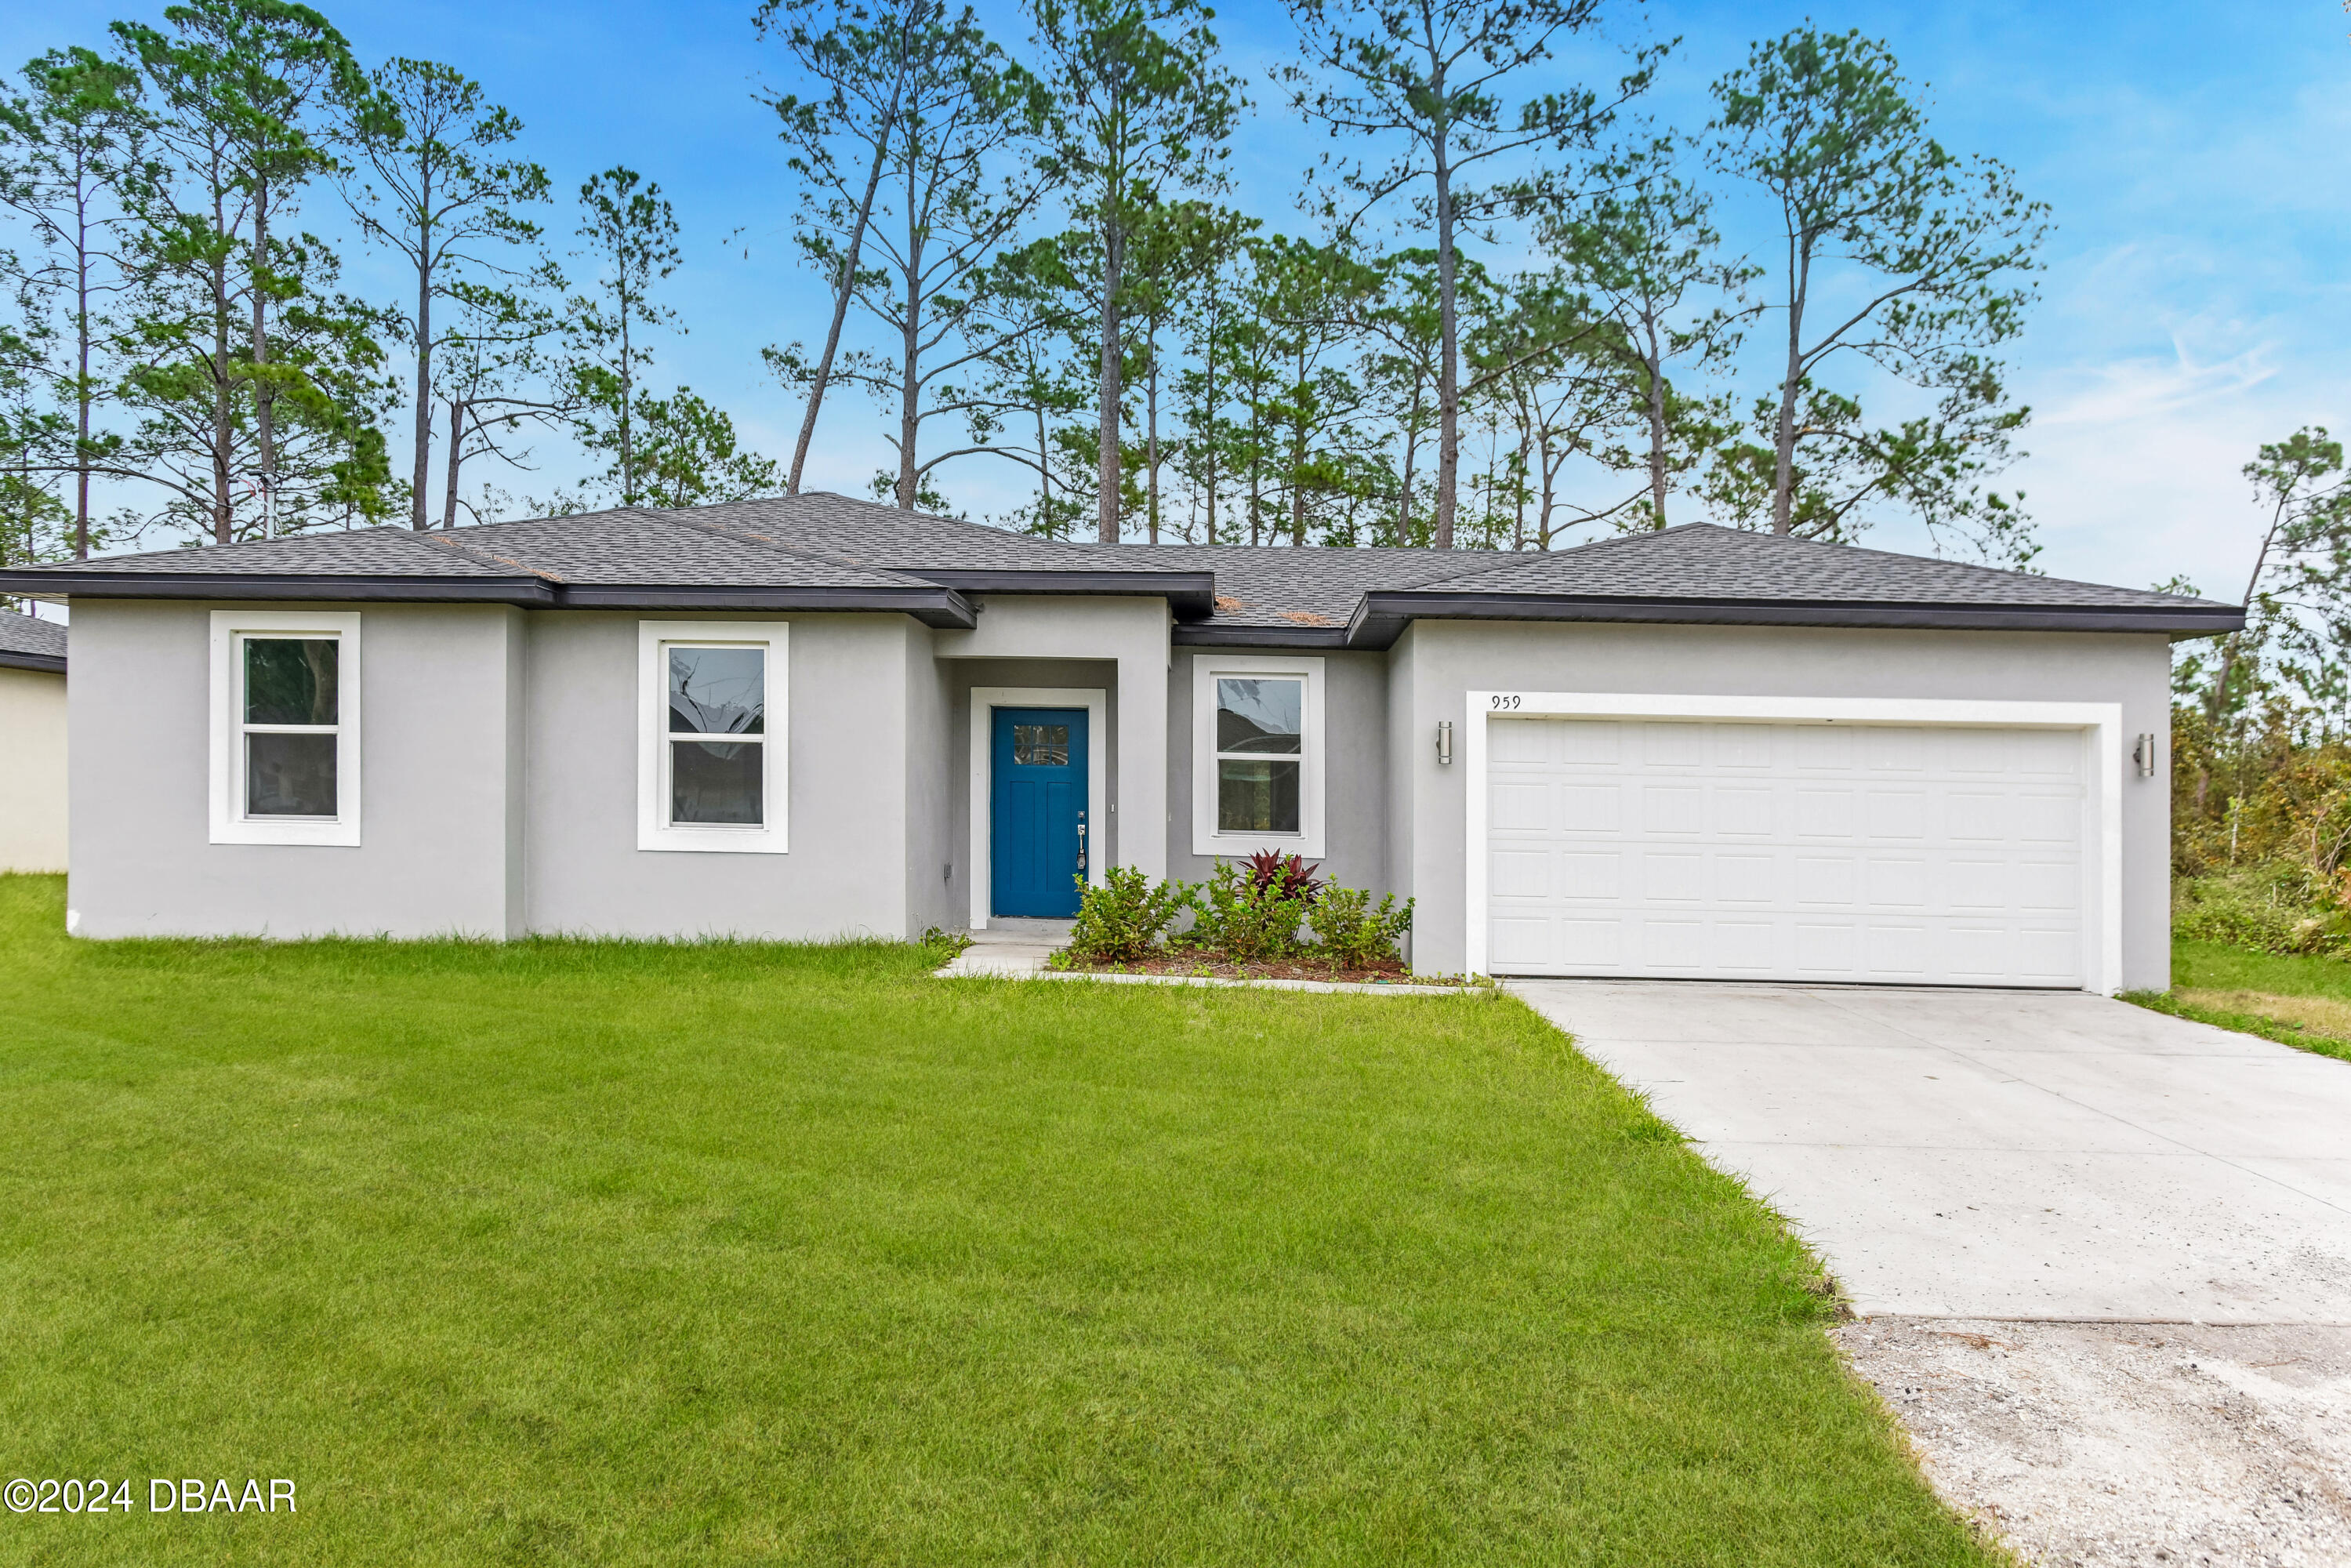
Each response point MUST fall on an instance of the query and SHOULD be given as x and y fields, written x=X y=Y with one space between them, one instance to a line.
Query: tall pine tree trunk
x=1449 y=373
x=265 y=401
x=843 y=288
x=456 y=459
x=1152 y=461
x=81 y=359
x=1653 y=362
x=1106 y=518
x=910 y=386
x=1783 y=455
x=422 y=469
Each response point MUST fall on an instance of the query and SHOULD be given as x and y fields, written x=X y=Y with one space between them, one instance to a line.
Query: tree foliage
x=1824 y=125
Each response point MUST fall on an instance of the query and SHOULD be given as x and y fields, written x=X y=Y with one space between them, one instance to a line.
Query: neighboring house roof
x=829 y=552
x=29 y=644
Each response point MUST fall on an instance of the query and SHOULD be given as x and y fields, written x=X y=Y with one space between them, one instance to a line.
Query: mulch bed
x=1207 y=966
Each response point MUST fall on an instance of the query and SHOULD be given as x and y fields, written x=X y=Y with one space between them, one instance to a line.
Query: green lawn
x=2303 y=1002
x=562 y=1252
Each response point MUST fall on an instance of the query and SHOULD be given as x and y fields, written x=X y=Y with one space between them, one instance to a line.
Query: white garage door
x=1928 y=855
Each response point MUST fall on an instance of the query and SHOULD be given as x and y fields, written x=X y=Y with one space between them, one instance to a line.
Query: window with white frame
x=711 y=753
x=285 y=729
x=1258 y=755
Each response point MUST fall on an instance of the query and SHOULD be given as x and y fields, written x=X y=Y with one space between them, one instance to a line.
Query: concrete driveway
x=2005 y=1155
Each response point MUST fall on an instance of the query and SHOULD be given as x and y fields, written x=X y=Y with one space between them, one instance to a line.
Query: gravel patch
x=2100 y=1445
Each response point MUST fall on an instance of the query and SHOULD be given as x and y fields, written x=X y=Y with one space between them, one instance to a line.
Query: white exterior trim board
x=229 y=824
x=654 y=830
x=1205 y=839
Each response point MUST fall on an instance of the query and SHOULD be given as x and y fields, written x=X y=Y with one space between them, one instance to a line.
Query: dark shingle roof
x=820 y=551
x=386 y=552
x=29 y=644
x=1703 y=561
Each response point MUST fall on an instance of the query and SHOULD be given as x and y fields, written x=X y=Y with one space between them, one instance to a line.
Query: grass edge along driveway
x=2304 y=1002
x=573 y=1252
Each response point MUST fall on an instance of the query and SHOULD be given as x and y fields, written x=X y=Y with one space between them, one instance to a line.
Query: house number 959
x=1506 y=702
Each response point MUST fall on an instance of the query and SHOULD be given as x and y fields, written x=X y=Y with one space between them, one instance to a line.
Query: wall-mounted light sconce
x=2144 y=754
x=1444 y=743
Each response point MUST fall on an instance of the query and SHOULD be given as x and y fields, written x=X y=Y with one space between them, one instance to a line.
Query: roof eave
x=933 y=606
x=938 y=607
x=1218 y=634
x=17 y=659
x=1191 y=595
x=1381 y=616
x=51 y=583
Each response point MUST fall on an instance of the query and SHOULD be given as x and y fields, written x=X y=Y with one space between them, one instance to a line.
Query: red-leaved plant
x=1288 y=876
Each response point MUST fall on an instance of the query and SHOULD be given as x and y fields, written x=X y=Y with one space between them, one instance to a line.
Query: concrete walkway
x=1011 y=948
x=2013 y=1154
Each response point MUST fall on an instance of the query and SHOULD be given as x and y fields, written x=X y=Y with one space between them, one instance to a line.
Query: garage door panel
x=1895 y=750
x=1826 y=950
x=1828 y=813
x=1743 y=810
x=2047 y=819
x=1514 y=744
x=1520 y=873
x=1745 y=879
x=1589 y=745
x=1981 y=952
x=1909 y=854
x=1590 y=808
x=1673 y=807
x=1896 y=813
x=1896 y=883
x=1827 y=878
x=1669 y=877
x=1744 y=945
x=1743 y=747
x=1521 y=805
x=2049 y=884
x=1898 y=952
x=1978 y=884
x=1673 y=744
x=1591 y=874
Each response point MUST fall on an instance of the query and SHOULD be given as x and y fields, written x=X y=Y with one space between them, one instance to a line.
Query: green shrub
x=1353 y=931
x=1245 y=919
x=2266 y=909
x=1124 y=919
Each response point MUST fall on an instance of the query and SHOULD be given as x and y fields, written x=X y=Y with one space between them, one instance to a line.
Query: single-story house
x=1699 y=752
x=32 y=744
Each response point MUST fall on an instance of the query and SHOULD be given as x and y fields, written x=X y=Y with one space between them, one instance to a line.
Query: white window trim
x=230 y=825
x=654 y=830
x=2100 y=723
x=984 y=701
x=1205 y=838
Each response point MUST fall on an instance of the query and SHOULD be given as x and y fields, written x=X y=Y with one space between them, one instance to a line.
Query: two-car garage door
x=1821 y=852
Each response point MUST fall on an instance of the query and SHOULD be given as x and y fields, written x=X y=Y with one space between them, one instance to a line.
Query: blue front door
x=1037 y=847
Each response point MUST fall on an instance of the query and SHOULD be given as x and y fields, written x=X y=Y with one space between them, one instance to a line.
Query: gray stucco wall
x=1437 y=662
x=1354 y=772
x=931 y=791
x=437 y=765
x=1130 y=633
x=845 y=873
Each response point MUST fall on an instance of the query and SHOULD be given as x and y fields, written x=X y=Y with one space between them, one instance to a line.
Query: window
x=1040 y=746
x=710 y=766
x=1258 y=755
x=1260 y=749
x=285 y=747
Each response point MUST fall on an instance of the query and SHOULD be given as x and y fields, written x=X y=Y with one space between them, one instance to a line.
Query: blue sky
x=2197 y=299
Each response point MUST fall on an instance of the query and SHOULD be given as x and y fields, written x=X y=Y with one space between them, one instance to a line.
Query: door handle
x=1082 y=842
